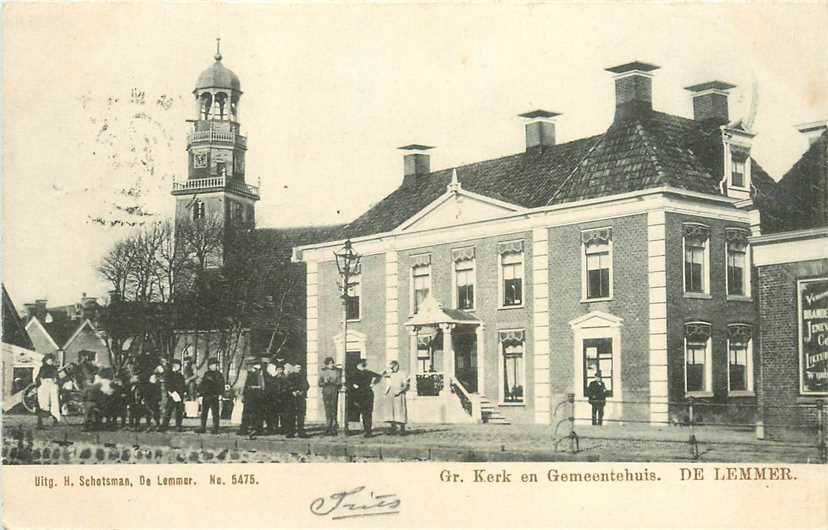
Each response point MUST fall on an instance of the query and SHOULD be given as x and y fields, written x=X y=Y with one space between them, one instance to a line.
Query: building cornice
x=639 y=202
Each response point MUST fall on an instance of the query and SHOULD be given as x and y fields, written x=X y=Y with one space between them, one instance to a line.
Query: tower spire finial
x=218 y=48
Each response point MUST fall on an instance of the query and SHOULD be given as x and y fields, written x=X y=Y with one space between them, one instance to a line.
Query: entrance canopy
x=432 y=312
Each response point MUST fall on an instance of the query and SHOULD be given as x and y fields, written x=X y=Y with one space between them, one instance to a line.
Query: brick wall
x=782 y=406
x=629 y=302
x=486 y=308
x=717 y=310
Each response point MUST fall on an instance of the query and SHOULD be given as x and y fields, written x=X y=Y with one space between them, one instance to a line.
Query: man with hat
x=210 y=388
x=298 y=385
x=597 y=395
x=174 y=386
x=330 y=381
x=253 y=396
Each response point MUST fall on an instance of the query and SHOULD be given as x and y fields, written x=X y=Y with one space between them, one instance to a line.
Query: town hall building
x=505 y=285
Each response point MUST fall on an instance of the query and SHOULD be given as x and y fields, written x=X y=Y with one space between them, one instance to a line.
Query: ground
x=626 y=443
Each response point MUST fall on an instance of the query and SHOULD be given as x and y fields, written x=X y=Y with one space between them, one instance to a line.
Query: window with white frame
x=696 y=258
x=739 y=166
x=597 y=263
x=511 y=273
x=464 y=276
x=420 y=280
x=598 y=359
x=512 y=352
x=738 y=269
x=425 y=354
x=352 y=305
x=740 y=354
x=697 y=357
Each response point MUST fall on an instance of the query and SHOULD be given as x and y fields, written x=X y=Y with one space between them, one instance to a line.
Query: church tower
x=215 y=185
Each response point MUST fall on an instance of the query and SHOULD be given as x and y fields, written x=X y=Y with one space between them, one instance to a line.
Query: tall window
x=737 y=262
x=511 y=273
x=598 y=356
x=354 y=294
x=697 y=358
x=237 y=213
x=512 y=351
x=739 y=348
x=420 y=280
x=464 y=277
x=597 y=245
x=696 y=239
x=425 y=358
x=198 y=210
x=738 y=175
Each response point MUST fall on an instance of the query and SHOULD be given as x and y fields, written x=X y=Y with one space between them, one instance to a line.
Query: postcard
x=415 y=265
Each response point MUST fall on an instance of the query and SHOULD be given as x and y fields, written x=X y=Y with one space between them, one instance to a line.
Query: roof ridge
x=566 y=180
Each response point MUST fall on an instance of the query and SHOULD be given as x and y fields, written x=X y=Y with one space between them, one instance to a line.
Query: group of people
x=271 y=397
x=274 y=399
x=360 y=390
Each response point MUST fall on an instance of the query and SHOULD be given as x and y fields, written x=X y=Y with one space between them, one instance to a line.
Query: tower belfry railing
x=216 y=183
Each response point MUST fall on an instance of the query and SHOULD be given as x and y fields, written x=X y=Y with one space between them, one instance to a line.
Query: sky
x=96 y=97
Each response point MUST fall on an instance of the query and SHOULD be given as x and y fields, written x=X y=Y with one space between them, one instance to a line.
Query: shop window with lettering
x=740 y=353
x=597 y=264
x=812 y=316
x=697 y=357
x=696 y=258
x=512 y=351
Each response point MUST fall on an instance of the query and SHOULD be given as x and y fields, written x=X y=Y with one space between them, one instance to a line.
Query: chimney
x=416 y=163
x=31 y=311
x=540 y=129
x=813 y=130
x=710 y=101
x=633 y=89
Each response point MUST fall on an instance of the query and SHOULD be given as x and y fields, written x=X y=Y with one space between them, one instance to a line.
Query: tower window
x=198 y=210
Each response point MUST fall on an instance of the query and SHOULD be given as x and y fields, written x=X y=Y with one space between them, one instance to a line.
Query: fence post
x=573 y=437
x=694 y=445
x=820 y=418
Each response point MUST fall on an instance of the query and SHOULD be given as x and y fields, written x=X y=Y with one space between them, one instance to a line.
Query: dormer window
x=736 y=181
x=739 y=162
x=737 y=174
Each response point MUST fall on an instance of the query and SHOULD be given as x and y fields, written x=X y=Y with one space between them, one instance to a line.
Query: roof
x=710 y=85
x=635 y=66
x=218 y=76
x=801 y=198
x=432 y=312
x=643 y=152
x=539 y=113
x=416 y=147
x=279 y=242
x=62 y=329
x=13 y=332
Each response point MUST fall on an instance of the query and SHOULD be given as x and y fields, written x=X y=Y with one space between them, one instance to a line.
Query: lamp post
x=347 y=263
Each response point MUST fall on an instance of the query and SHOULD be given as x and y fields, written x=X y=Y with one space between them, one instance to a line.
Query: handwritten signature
x=355 y=503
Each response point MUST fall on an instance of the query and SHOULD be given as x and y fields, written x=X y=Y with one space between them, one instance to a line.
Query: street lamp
x=347 y=262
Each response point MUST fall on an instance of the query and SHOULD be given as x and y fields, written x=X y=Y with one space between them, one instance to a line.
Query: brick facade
x=717 y=309
x=783 y=406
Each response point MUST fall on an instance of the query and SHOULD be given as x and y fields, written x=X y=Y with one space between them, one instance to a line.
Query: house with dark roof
x=507 y=285
x=20 y=361
x=791 y=260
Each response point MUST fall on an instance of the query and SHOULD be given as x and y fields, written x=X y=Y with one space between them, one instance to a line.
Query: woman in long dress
x=396 y=385
x=47 y=391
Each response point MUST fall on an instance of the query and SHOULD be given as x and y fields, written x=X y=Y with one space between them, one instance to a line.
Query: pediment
x=596 y=319
x=458 y=208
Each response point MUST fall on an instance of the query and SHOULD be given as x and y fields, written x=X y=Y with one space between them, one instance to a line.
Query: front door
x=465 y=359
x=351 y=360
